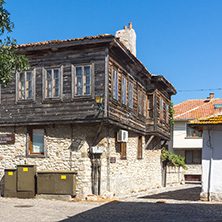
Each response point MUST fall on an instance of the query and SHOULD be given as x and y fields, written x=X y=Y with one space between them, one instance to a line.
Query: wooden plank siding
x=66 y=108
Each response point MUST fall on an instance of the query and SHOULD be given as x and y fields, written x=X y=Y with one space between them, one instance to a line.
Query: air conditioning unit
x=122 y=136
x=96 y=149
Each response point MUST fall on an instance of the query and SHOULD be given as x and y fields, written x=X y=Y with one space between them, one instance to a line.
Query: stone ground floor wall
x=174 y=176
x=67 y=148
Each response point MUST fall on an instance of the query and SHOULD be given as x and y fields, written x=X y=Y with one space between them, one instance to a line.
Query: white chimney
x=128 y=38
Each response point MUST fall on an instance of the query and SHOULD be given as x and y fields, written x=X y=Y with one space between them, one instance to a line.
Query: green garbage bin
x=26 y=179
x=10 y=183
x=56 y=182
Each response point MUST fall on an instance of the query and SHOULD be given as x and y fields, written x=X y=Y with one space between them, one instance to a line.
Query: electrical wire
x=197 y=90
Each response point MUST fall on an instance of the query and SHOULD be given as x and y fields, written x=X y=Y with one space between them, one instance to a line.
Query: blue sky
x=180 y=39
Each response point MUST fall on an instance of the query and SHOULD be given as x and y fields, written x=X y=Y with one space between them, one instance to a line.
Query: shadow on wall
x=145 y=211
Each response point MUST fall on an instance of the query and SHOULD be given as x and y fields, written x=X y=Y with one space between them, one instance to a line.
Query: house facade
x=188 y=142
x=52 y=113
x=211 y=156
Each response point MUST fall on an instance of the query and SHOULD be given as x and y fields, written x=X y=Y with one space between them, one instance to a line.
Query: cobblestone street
x=181 y=204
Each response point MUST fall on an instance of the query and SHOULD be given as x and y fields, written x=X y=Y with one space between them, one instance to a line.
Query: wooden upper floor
x=65 y=76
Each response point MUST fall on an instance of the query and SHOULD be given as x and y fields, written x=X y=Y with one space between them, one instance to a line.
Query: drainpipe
x=108 y=160
x=210 y=165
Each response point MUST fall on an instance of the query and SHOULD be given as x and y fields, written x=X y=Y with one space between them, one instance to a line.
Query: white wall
x=179 y=137
x=216 y=166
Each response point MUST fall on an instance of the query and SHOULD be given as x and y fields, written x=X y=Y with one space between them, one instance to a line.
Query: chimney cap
x=130 y=25
x=125 y=27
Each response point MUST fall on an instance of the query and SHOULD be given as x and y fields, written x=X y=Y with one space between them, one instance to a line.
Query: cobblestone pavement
x=181 y=204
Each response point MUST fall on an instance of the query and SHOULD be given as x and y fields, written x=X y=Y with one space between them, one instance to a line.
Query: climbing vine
x=168 y=157
x=172 y=111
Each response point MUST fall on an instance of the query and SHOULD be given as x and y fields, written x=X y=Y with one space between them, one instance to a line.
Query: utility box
x=10 y=188
x=56 y=182
x=26 y=177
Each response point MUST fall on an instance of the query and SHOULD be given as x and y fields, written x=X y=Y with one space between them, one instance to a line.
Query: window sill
x=36 y=156
x=123 y=158
x=82 y=97
x=193 y=163
x=25 y=101
x=187 y=137
x=49 y=100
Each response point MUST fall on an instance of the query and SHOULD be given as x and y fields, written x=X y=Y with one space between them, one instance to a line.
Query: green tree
x=10 y=61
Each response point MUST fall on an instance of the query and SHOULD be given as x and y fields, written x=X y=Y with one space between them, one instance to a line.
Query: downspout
x=210 y=165
x=106 y=114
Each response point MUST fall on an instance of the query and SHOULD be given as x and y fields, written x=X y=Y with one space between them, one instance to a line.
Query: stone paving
x=181 y=204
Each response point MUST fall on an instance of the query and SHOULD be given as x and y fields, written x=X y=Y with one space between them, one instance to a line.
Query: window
x=167 y=113
x=124 y=91
x=115 y=85
x=82 y=80
x=140 y=148
x=123 y=150
x=144 y=105
x=140 y=102
x=52 y=83
x=193 y=133
x=25 y=85
x=36 y=141
x=193 y=156
x=130 y=95
x=161 y=109
x=150 y=108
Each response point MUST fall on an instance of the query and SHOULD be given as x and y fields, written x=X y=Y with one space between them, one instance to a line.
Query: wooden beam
x=97 y=134
x=149 y=141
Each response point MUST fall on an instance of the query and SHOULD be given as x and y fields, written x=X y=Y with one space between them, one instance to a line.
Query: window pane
x=79 y=81
x=49 y=85
x=188 y=156
x=190 y=131
x=196 y=156
x=79 y=91
x=57 y=83
x=87 y=80
x=49 y=74
x=56 y=73
x=30 y=94
x=56 y=92
x=87 y=90
x=87 y=70
x=78 y=71
x=38 y=141
x=22 y=77
x=198 y=133
x=29 y=76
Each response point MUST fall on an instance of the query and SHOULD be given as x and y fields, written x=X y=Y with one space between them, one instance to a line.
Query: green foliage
x=10 y=61
x=171 y=113
x=176 y=160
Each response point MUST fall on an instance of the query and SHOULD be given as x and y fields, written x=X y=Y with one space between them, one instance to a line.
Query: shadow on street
x=141 y=211
x=190 y=194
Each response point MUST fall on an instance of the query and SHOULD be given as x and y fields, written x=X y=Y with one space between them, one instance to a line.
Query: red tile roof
x=196 y=108
x=62 y=41
x=213 y=119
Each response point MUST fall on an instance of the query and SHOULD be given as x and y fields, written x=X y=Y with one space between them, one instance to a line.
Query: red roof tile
x=196 y=108
x=62 y=41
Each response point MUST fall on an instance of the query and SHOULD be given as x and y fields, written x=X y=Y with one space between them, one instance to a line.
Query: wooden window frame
x=144 y=105
x=140 y=102
x=44 y=79
x=140 y=148
x=123 y=149
x=30 y=142
x=115 y=83
x=193 y=156
x=33 y=85
x=91 y=85
x=130 y=95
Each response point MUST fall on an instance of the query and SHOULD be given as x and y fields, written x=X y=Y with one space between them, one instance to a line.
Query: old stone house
x=54 y=113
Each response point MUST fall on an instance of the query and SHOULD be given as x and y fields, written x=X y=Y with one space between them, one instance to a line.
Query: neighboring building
x=211 y=156
x=187 y=142
x=52 y=112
